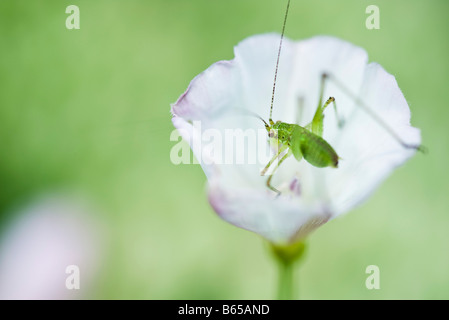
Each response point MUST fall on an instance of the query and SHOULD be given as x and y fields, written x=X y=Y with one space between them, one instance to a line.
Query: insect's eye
x=272 y=133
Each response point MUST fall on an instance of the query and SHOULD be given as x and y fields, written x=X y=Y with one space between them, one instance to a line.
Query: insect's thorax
x=282 y=131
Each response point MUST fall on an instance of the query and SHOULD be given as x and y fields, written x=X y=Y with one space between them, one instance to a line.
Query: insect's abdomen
x=317 y=151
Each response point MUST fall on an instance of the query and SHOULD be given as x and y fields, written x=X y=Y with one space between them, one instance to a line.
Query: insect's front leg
x=271 y=176
x=262 y=173
x=281 y=148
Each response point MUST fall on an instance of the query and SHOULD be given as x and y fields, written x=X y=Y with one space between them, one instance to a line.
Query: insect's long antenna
x=277 y=62
x=368 y=110
x=266 y=124
x=250 y=113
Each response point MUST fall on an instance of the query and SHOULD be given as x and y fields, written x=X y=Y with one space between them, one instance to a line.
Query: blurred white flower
x=310 y=196
x=41 y=243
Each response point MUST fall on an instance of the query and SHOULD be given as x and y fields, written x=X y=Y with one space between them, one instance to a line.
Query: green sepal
x=289 y=253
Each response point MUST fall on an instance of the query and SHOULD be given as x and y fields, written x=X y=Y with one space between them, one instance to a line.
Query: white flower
x=310 y=196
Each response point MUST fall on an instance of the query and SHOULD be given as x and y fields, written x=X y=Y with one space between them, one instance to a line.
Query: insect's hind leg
x=316 y=126
x=300 y=110
x=340 y=121
x=361 y=103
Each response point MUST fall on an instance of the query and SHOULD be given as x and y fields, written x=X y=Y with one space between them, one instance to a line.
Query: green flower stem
x=287 y=256
x=285 y=289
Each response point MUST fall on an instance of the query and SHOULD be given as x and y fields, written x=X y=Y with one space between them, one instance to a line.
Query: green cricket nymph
x=303 y=142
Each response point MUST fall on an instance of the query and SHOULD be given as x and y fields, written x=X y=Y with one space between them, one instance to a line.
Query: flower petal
x=311 y=196
x=280 y=220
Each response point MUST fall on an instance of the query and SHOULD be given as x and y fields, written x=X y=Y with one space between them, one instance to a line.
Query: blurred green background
x=88 y=112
